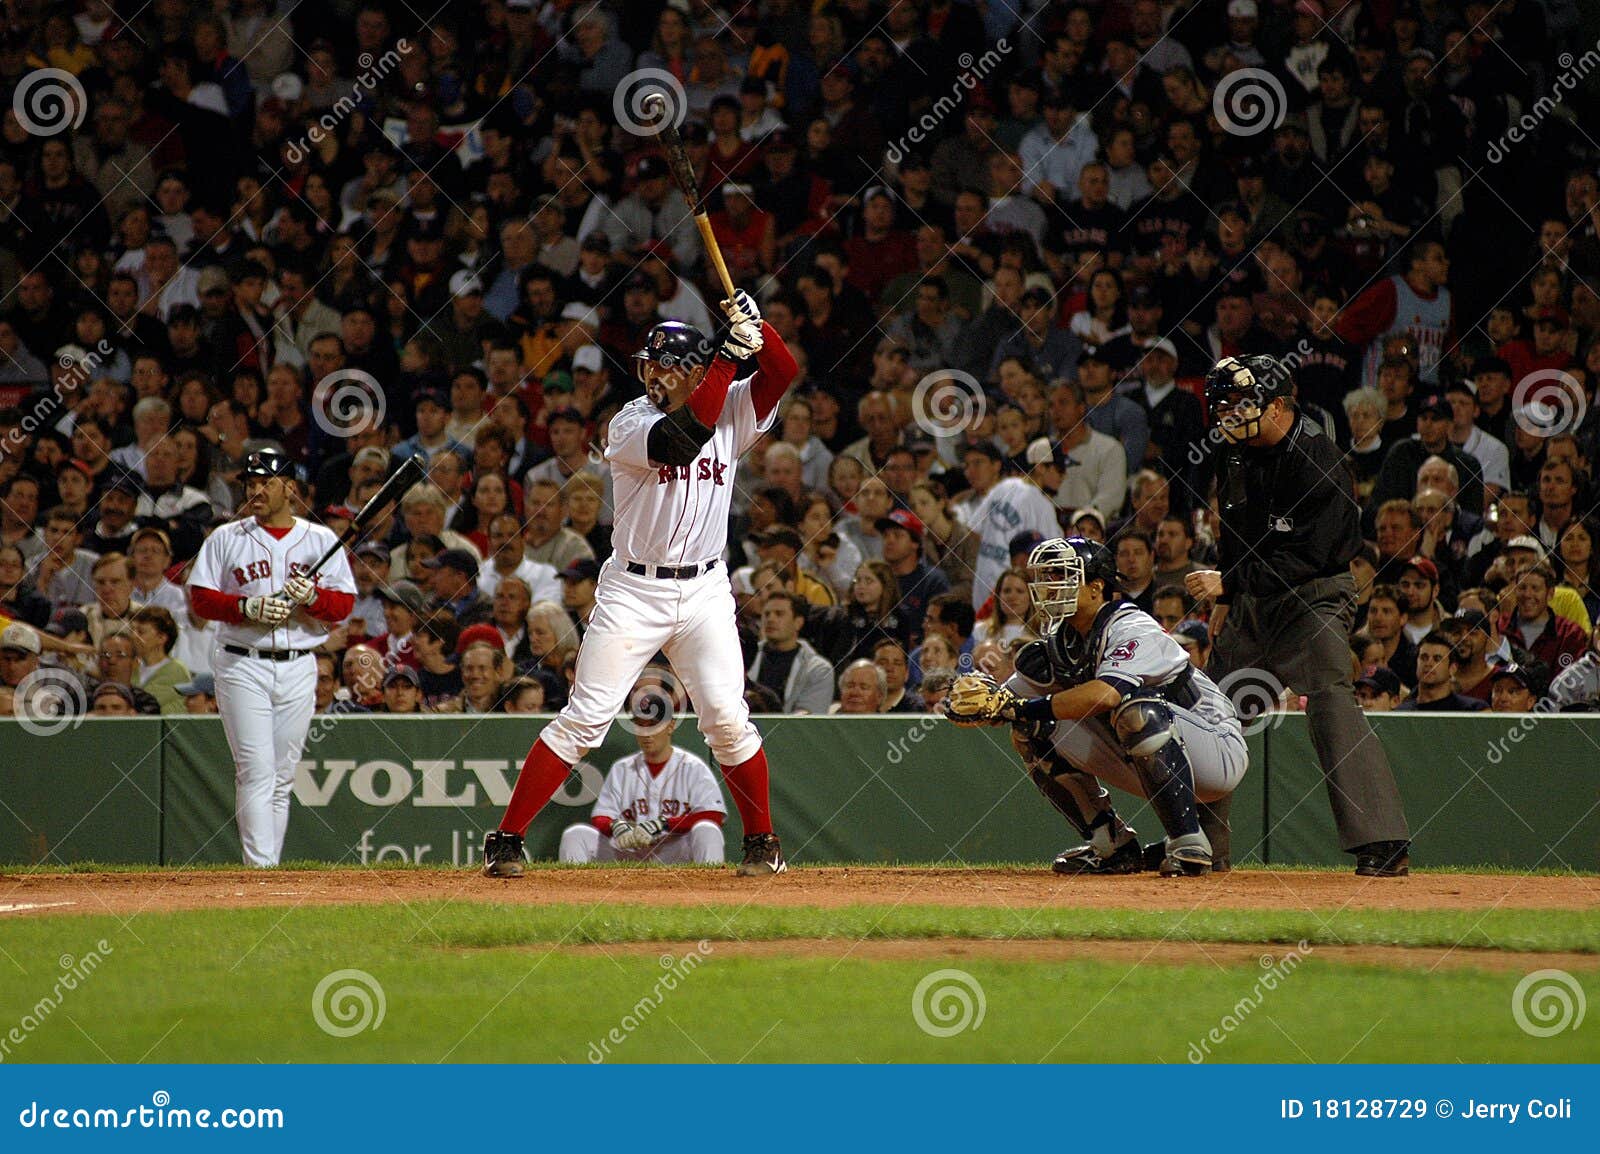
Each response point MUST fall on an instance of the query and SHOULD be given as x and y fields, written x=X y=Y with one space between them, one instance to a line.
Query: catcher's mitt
x=978 y=699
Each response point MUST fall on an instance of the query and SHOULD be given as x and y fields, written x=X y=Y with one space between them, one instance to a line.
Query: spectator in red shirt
x=881 y=252
x=1532 y=625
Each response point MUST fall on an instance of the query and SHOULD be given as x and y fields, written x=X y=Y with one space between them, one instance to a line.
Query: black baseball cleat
x=763 y=856
x=1127 y=858
x=1188 y=855
x=1383 y=859
x=502 y=854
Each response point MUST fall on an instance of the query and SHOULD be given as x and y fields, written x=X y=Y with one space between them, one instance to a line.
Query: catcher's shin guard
x=1076 y=796
x=1147 y=729
x=1214 y=824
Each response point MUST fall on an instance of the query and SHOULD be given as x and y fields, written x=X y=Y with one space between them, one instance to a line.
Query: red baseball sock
x=747 y=781
x=542 y=774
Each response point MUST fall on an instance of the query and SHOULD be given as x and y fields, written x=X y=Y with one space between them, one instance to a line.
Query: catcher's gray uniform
x=1127 y=649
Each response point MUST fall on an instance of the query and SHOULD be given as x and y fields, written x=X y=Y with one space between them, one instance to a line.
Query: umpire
x=1285 y=597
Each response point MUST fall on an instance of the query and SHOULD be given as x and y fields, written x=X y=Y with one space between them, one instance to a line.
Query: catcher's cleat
x=1127 y=858
x=1383 y=859
x=1186 y=856
x=502 y=854
x=763 y=856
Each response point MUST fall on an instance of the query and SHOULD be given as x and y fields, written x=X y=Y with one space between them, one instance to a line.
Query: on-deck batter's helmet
x=1239 y=389
x=1060 y=567
x=270 y=463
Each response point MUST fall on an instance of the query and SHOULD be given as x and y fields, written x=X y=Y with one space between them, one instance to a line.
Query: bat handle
x=715 y=252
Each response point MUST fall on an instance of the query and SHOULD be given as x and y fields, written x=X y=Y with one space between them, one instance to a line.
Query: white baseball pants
x=635 y=617
x=266 y=709
x=701 y=842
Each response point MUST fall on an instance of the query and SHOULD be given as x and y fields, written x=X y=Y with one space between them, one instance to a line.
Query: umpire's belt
x=670 y=572
x=266 y=654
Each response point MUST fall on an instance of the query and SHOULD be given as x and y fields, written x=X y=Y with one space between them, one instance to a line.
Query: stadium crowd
x=1004 y=241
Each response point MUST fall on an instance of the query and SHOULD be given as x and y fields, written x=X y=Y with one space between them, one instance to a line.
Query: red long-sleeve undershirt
x=775 y=369
x=674 y=824
x=214 y=605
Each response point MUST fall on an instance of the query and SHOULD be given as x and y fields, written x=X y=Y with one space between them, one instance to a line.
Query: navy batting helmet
x=1058 y=568
x=673 y=344
x=1239 y=389
x=269 y=463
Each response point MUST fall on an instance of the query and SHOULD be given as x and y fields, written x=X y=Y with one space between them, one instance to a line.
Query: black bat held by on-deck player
x=410 y=472
x=683 y=174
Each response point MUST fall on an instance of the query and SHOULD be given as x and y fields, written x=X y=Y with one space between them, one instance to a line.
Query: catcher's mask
x=1059 y=568
x=1238 y=392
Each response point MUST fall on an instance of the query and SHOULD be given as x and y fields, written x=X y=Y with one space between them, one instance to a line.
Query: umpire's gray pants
x=1302 y=638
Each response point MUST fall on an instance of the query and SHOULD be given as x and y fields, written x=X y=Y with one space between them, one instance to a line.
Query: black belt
x=266 y=654
x=670 y=572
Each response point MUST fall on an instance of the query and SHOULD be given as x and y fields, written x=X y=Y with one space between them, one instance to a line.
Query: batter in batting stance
x=1108 y=696
x=249 y=577
x=673 y=453
x=1285 y=599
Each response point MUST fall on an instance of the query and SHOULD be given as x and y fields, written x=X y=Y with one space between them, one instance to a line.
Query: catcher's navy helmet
x=1058 y=568
x=270 y=463
x=673 y=344
x=1239 y=389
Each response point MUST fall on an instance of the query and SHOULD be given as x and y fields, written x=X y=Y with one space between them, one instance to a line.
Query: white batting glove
x=742 y=307
x=654 y=828
x=299 y=591
x=627 y=837
x=267 y=610
x=744 y=340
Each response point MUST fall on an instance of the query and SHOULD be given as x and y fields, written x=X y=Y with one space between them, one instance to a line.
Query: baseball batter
x=673 y=454
x=249 y=576
x=1108 y=696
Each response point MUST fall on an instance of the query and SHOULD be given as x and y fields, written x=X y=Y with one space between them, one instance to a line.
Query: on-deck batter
x=673 y=454
x=248 y=576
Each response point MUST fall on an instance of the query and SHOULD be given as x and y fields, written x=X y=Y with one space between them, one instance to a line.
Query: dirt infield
x=24 y=894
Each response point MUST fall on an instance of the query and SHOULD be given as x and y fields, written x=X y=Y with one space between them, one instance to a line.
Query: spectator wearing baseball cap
x=902 y=532
x=1397 y=477
x=1378 y=689
x=20 y=646
x=402 y=691
x=1518 y=687
x=1418 y=582
x=199 y=694
x=578 y=582
x=1195 y=638
x=452 y=578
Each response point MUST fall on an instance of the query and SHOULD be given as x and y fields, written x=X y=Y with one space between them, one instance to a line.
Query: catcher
x=1108 y=697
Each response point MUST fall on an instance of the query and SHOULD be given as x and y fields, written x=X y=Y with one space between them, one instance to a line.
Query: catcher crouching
x=1107 y=697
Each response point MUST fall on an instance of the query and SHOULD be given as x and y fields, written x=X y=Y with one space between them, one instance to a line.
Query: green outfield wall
x=1509 y=791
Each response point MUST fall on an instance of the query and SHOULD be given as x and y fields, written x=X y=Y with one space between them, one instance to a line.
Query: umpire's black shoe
x=1127 y=858
x=1383 y=859
x=502 y=854
x=763 y=856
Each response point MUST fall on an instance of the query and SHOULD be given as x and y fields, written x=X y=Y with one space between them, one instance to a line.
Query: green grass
x=237 y=985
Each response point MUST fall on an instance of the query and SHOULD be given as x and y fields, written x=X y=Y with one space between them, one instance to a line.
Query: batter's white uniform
x=667 y=515
x=632 y=793
x=266 y=704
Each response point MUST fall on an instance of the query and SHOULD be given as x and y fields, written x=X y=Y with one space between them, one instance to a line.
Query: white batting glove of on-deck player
x=299 y=591
x=627 y=837
x=267 y=610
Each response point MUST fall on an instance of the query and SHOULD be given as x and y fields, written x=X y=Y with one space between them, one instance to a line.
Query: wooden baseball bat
x=688 y=184
x=408 y=474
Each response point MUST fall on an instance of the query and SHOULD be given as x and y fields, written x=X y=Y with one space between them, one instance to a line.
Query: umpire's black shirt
x=1288 y=514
